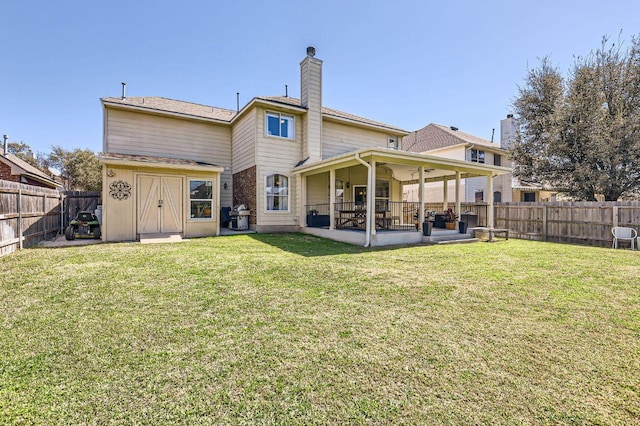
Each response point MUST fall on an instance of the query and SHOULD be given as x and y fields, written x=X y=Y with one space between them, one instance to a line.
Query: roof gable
x=436 y=136
x=27 y=169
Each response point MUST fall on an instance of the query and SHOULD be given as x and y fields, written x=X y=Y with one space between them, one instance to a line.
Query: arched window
x=277 y=192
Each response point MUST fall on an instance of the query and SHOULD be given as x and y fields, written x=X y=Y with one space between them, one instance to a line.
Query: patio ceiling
x=405 y=165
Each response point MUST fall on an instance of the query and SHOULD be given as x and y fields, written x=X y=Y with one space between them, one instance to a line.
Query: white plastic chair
x=624 y=234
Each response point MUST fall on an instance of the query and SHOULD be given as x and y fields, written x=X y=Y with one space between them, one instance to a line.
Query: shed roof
x=152 y=161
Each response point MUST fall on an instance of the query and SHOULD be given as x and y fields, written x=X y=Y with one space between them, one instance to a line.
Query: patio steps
x=449 y=237
x=166 y=237
x=461 y=241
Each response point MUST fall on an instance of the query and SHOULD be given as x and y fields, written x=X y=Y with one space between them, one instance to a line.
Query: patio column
x=490 y=201
x=302 y=211
x=371 y=199
x=332 y=198
x=457 y=207
x=445 y=194
x=421 y=195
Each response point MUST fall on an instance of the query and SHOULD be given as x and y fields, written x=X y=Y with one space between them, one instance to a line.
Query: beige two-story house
x=174 y=167
x=451 y=142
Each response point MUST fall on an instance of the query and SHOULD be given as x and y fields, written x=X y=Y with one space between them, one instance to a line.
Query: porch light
x=225 y=185
x=111 y=173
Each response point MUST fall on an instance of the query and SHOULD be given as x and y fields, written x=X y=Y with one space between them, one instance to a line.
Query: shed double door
x=159 y=204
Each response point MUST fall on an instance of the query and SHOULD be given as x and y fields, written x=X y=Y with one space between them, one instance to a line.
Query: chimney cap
x=311 y=51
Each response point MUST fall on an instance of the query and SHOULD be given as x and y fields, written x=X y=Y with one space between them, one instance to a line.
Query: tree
x=24 y=152
x=80 y=169
x=581 y=135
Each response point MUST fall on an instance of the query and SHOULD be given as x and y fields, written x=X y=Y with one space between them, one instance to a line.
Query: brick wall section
x=5 y=173
x=244 y=190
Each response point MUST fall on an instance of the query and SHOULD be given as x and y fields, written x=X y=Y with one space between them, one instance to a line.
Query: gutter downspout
x=367 y=238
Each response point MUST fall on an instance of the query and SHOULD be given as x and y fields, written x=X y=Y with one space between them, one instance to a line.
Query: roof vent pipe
x=237 y=101
x=4 y=150
x=124 y=91
x=311 y=51
x=286 y=90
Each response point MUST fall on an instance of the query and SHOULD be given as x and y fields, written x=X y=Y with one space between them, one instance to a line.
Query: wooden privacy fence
x=75 y=201
x=567 y=222
x=28 y=215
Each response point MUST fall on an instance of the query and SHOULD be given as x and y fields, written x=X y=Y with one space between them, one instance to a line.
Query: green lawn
x=293 y=329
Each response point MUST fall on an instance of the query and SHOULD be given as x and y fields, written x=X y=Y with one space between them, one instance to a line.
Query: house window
x=382 y=195
x=277 y=191
x=339 y=192
x=477 y=156
x=393 y=142
x=479 y=196
x=201 y=199
x=280 y=125
x=529 y=197
x=497 y=160
x=497 y=197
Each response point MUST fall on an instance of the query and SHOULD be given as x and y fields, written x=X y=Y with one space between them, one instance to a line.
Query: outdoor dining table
x=357 y=218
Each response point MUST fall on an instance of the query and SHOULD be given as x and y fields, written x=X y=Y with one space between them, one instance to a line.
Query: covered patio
x=362 y=191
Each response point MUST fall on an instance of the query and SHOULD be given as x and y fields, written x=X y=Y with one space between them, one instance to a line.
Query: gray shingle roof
x=29 y=170
x=333 y=113
x=436 y=136
x=154 y=160
x=154 y=103
x=171 y=105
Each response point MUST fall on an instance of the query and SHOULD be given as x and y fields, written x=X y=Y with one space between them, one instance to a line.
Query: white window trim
x=266 y=201
x=477 y=160
x=280 y=115
x=212 y=199
x=396 y=145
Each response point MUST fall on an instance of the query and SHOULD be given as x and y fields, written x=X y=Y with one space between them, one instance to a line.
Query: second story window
x=497 y=160
x=477 y=156
x=280 y=125
x=393 y=142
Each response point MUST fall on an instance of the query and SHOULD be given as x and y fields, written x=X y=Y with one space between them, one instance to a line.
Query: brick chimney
x=311 y=98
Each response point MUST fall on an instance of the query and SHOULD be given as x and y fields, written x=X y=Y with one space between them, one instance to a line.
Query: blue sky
x=405 y=63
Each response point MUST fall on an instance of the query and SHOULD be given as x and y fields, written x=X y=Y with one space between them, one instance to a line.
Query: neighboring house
x=170 y=166
x=15 y=169
x=522 y=191
x=450 y=142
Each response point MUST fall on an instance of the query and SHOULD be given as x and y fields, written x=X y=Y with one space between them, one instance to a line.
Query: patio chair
x=624 y=234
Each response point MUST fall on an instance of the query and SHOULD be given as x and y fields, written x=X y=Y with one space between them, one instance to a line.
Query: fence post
x=44 y=215
x=544 y=222
x=61 y=209
x=615 y=216
x=19 y=205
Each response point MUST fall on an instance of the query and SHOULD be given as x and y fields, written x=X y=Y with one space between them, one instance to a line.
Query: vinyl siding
x=318 y=189
x=339 y=139
x=311 y=97
x=277 y=155
x=244 y=142
x=135 y=133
